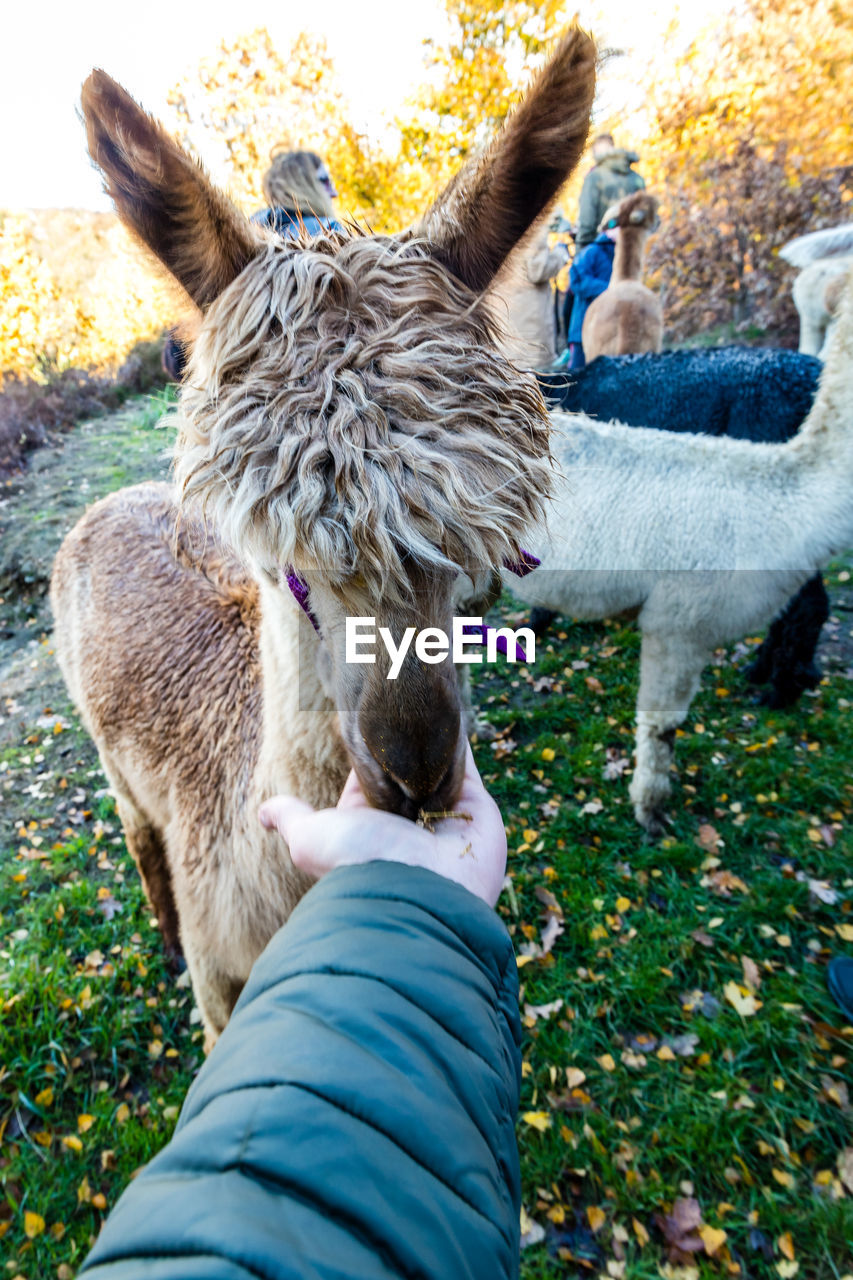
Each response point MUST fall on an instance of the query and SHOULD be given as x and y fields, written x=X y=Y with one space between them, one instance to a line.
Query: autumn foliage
x=745 y=135
x=750 y=146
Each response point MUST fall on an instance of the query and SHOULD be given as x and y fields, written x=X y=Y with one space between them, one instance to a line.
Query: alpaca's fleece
x=748 y=393
x=346 y=409
x=704 y=539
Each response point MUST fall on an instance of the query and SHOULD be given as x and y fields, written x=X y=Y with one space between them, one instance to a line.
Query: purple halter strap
x=520 y=568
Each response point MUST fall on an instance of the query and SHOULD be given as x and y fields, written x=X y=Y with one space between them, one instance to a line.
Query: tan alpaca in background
x=627 y=317
x=347 y=426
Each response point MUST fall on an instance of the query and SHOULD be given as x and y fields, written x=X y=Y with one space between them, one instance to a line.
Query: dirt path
x=36 y=512
x=49 y=769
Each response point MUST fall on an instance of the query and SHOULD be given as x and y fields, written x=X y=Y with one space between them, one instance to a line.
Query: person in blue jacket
x=299 y=191
x=589 y=276
x=357 y=1116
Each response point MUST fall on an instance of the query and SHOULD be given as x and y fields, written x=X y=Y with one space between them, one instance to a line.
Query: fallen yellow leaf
x=787 y=1270
x=44 y=1098
x=596 y=1217
x=33 y=1224
x=575 y=1077
x=623 y=905
x=548 y=753
x=640 y=1232
x=537 y=1120
x=123 y=1113
x=84 y=1192
x=606 y=1062
x=84 y=1123
x=784 y=1178
x=845 y=932
x=713 y=1238
x=845 y=1168
x=155 y=1048
x=741 y=1000
x=72 y=1142
x=665 y=1054
x=785 y=1245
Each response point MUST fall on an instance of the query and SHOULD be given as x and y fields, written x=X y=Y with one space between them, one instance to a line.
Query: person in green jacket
x=356 y=1117
x=611 y=178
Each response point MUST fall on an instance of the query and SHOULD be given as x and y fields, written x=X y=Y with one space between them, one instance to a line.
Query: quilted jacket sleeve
x=356 y=1118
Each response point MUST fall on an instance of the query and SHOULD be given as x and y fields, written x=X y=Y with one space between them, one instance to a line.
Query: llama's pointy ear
x=486 y=209
x=164 y=196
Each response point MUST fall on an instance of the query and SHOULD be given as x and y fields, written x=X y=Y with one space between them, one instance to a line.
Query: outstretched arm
x=357 y=1115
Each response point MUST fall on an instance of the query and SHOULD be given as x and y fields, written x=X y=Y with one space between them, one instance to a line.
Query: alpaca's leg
x=812 y=334
x=787 y=656
x=670 y=671
x=214 y=990
x=473 y=723
x=541 y=619
x=145 y=845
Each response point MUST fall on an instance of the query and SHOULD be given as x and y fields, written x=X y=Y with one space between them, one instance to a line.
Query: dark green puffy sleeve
x=356 y=1118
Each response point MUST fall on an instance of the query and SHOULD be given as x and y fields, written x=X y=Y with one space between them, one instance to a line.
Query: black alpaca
x=750 y=393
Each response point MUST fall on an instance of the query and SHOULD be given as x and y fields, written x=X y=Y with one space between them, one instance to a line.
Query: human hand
x=471 y=852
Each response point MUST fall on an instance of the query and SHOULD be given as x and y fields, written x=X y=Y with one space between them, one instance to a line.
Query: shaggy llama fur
x=747 y=393
x=823 y=259
x=704 y=540
x=346 y=415
x=627 y=316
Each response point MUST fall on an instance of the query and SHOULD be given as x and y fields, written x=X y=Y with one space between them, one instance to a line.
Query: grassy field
x=685 y=1104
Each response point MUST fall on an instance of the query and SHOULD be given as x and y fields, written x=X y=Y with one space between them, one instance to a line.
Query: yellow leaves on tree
x=73 y=292
x=748 y=155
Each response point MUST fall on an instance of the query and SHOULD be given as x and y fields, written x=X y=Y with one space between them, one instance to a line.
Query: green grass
x=747 y=1122
x=95 y=1045
x=748 y=1115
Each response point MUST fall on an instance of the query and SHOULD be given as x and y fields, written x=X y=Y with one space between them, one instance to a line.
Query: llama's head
x=346 y=415
x=638 y=210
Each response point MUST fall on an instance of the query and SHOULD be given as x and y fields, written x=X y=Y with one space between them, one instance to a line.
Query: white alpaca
x=823 y=258
x=705 y=539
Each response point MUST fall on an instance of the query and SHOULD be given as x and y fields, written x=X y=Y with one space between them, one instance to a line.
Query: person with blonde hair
x=299 y=191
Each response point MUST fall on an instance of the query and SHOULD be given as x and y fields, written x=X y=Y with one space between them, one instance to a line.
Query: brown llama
x=627 y=317
x=348 y=428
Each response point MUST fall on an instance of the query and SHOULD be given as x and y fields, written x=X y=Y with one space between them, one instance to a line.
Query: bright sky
x=376 y=46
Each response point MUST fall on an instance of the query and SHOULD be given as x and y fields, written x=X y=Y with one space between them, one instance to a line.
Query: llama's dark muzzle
x=414 y=763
